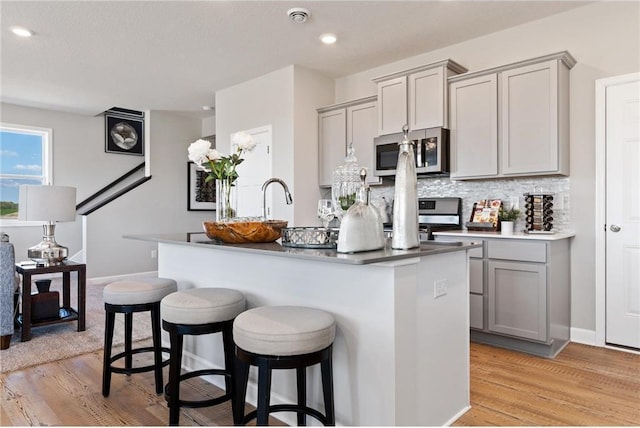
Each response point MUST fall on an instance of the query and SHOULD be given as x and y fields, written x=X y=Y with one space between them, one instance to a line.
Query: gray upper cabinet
x=392 y=113
x=416 y=97
x=474 y=120
x=332 y=129
x=514 y=119
x=340 y=125
x=361 y=130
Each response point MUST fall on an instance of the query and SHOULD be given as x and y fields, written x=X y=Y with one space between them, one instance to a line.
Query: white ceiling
x=88 y=56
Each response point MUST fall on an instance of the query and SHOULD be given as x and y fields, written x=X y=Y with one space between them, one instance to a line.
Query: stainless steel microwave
x=431 y=148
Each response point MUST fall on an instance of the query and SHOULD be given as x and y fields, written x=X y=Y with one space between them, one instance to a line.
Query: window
x=25 y=158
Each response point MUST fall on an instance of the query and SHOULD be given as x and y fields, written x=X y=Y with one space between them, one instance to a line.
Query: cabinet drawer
x=476 y=276
x=476 y=252
x=510 y=249
x=476 y=311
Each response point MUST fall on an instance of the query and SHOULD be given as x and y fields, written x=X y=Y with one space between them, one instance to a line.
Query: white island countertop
x=401 y=351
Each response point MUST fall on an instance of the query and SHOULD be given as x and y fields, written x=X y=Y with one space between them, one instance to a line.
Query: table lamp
x=50 y=204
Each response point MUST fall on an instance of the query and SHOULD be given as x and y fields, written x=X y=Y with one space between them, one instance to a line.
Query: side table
x=66 y=313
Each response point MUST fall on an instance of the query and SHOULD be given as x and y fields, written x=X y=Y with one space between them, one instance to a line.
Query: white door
x=253 y=172
x=623 y=214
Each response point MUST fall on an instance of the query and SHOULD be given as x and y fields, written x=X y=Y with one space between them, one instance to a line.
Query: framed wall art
x=124 y=132
x=201 y=196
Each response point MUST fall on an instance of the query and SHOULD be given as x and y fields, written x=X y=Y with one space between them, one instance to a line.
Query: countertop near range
x=466 y=234
x=387 y=254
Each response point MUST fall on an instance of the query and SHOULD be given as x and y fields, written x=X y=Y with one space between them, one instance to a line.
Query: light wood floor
x=583 y=386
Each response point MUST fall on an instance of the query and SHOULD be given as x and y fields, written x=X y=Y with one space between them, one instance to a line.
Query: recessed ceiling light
x=21 y=31
x=328 y=39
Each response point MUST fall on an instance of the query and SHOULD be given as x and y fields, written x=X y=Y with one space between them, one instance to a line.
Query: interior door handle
x=615 y=228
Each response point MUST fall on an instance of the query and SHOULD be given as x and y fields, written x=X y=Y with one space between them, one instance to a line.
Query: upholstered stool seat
x=138 y=291
x=194 y=312
x=126 y=297
x=283 y=337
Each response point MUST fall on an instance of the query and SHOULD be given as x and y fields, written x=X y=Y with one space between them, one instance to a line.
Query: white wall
x=208 y=126
x=266 y=100
x=79 y=160
x=159 y=205
x=605 y=40
x=286 y=99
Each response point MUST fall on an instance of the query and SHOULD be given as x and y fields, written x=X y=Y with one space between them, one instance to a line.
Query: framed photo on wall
x=201 y=196
x=124 y=132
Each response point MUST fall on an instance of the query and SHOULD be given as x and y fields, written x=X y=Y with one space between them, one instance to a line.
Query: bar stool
x=127 y=297
x=194 y=312
x=283 y=337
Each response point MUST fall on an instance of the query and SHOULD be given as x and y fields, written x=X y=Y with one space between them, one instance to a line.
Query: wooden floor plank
x=583 y=386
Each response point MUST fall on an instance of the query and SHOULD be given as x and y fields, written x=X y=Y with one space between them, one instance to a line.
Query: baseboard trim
x=106 y=279
x=583 y=336
x=464 y=410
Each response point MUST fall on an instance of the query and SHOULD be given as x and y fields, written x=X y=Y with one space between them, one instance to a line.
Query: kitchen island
x=401 y=352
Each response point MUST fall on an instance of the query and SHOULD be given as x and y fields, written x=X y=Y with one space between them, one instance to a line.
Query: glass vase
x=226 y=200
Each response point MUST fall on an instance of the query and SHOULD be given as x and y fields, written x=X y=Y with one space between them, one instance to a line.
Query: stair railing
x=109 y=187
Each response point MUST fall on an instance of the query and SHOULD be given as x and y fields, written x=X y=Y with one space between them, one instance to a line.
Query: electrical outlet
x=154 y=254
x=439 y=288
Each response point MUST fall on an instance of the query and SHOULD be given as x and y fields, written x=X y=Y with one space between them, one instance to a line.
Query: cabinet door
x=361 y=130
x=426 y=99
x=517 y=303
x=332 y=147
x=476 y=276
x=474 y=127
x=476 y=311
x=392 y=105
x=529 y=119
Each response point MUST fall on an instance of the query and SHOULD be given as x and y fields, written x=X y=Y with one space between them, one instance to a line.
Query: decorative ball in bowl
x=244 y=230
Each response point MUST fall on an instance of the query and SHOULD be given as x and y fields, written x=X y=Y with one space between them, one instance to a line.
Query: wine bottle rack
x=538 y=213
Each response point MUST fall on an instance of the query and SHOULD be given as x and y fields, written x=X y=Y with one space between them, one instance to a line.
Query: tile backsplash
x=511 y=191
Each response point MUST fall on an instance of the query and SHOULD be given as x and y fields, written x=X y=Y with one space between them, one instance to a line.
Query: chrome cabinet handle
x=615 y=228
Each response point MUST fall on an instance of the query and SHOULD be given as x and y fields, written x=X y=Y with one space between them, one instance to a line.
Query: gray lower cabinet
x=520 y=293
x=517 y=303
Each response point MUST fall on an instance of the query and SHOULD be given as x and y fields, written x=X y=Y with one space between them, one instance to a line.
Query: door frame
x=600 y=201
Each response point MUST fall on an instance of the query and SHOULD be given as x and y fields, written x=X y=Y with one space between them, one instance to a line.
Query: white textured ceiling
x=87 y=56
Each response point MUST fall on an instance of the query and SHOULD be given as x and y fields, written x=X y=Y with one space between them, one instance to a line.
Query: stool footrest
x=288 y=408
x=133 y=370
x=201 y=403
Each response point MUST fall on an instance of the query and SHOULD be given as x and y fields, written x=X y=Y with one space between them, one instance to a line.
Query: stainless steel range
x=440 y=213
x=436 y=214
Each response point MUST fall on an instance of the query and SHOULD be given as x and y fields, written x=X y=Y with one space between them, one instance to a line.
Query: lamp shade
x=47 y=203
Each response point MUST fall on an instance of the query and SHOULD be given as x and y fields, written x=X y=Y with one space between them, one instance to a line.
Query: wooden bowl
x=243 y=232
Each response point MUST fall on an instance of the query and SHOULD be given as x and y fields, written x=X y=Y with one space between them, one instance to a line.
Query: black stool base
x=132 y=370
x=172 y=389
x=199 y=403
x=267 y=363
x=128 y=369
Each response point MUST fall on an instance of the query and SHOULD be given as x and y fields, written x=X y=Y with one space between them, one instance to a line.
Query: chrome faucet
x=287 y=195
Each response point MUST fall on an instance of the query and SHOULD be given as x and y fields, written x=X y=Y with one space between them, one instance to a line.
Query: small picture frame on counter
x=484 y=216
